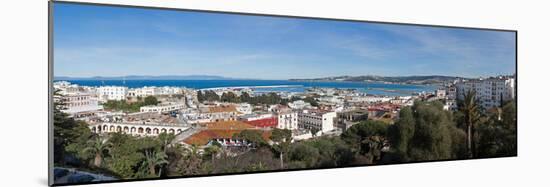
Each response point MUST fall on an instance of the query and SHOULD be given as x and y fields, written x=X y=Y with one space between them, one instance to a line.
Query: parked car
x=80 y=178
x=59 y=172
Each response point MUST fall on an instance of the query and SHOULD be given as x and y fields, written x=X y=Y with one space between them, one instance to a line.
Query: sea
x=269 y=85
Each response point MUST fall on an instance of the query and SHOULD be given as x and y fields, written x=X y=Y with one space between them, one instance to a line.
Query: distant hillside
x=146 y=77
x=429 y=79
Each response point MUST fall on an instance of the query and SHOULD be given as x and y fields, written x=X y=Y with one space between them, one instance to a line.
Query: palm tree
x=281 y=139
x=375 y=144
x=213 y=150
x=154 y=159
x=98 y=145
x=282 y=148
x=470 y=109
x=166 y=140
x=192 y=152
x=191 y=162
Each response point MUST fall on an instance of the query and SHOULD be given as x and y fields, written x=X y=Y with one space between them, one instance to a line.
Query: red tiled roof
x=266 y=122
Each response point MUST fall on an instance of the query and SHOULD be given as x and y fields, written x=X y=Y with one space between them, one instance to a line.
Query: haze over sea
x=286 y=85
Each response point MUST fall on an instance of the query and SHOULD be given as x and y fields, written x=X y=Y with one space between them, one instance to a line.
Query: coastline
x=252 y=87
x=374 y=88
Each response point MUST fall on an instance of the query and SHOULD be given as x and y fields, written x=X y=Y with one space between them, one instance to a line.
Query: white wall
x=24 y=68
x=328 y=121
x=287 y=120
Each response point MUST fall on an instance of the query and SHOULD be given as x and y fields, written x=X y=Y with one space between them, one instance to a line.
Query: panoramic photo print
x=144 y=93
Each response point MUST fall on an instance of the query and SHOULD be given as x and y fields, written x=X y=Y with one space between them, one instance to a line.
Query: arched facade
x=136 y=129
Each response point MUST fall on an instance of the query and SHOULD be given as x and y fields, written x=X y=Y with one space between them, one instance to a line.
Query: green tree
x=509 y=116
x=213 y=150
x=267 y=99
x=425 y=132
x=191 y=163
x=150 y=100
x=210 y=95
x=498 y=137
x=166 y=140
x=471 y=115
x=405 y=127
x=432 y=140
x=312 y=101
x=80 y=143
x=281 y=139
x=98 y=146
x=294 y=98
x=245 y=97
x=459 y=147
x=230 y=97
x=252 y=136
x=304 y=153
x=123 y=105
x=367 y=138
x=200 y=96
x=260 y=159
x=126 y=155
x=153 y=159
x=333 y=151
x=64 y=129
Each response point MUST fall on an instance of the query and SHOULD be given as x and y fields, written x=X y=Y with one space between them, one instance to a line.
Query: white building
x=166 y=90
x=210 y=114
x=192 y=103
x=160 y=108
x=59 y=84
x=403 y=100
x=117 y=93
x=66 y=87
x=287 y=120
x=136 y=129
x=154 y=91
x=440 y=93
x=254 y=117
x=299 y=104
x=491 y=92
x=332 y=99
x=320 y=120
x=193 y=116
x=143 y=92
x=369 y=99
x=76 y=102
x=238 y=91
x=244 y=108
x=286 y=117
x=450 y=92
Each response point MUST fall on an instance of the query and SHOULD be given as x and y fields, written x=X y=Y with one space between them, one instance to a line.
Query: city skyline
x=133 y=41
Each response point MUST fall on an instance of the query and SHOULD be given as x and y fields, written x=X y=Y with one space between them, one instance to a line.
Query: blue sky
x=114 y=41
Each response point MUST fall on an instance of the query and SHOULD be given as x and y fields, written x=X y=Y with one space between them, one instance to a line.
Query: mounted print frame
x=148 y=93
